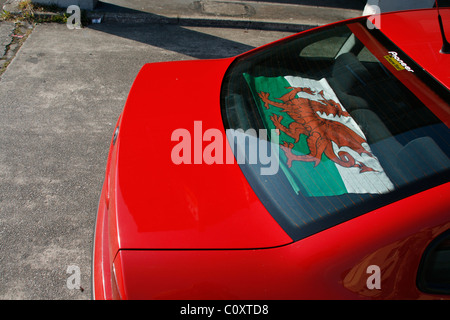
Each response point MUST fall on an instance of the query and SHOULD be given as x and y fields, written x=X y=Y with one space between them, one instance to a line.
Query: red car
x=315 y=167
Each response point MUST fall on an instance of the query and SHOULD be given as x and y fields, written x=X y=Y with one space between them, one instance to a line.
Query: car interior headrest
x=348 y=72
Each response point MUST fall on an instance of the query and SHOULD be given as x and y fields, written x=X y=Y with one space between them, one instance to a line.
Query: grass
x=20 y=32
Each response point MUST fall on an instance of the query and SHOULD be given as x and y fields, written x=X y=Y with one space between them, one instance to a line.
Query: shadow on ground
x=182 y=39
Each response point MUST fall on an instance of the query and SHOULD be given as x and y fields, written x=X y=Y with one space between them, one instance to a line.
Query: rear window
x=353 y=123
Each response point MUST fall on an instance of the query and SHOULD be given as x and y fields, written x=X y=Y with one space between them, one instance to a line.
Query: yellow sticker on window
x=394 y=63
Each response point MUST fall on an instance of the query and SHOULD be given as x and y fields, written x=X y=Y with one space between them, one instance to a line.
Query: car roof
x=417 y=33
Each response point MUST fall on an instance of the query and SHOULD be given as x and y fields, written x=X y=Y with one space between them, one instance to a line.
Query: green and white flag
x=323 y=150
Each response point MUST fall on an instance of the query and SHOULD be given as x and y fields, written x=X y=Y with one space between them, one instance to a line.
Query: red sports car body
x=179 y=219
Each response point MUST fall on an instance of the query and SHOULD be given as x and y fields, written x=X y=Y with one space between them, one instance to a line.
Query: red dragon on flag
x=320 y=132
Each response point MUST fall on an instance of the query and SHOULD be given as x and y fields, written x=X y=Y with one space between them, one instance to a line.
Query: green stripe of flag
x=303 y=176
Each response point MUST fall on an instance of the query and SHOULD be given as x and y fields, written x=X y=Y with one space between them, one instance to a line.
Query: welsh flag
x=323 y=150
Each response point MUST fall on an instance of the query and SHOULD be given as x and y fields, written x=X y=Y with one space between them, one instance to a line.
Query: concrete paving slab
x=6 y=33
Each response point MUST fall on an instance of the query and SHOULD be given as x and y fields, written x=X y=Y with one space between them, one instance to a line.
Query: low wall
x=83 y=4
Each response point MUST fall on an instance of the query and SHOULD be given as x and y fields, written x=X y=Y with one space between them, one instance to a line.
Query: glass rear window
x=356 y=124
